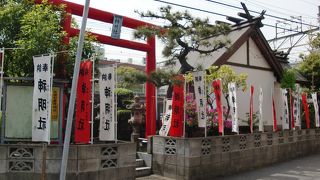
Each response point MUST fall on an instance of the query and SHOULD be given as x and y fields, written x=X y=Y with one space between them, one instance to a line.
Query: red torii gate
x=96 y=14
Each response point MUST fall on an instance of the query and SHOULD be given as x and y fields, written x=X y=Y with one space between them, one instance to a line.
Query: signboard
x=233 y=106
x=316 y=109
x=177 y=125
x=116 y=27
x=107 y=83
x=166 y=119
x=41 y=106
x=285 y=112
x=83 y=103
x=198 y=79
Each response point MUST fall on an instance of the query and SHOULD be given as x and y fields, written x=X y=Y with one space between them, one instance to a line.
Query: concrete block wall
x=94 y=162
x=206 y=158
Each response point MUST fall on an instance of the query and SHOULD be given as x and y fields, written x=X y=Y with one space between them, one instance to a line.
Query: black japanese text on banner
x=107 y=105
x=316 y=109
x=41 y=106
x=198 y=79
x=285 y=111
x=233 y=106
x=260 y=111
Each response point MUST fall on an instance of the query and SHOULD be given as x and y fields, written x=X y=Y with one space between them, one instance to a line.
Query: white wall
x=257 y=78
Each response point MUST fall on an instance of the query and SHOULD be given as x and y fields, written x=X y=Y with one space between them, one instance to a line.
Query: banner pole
x=1 y=81
x=50 y=95
x=205 y=95
x=184 y=106
x=115 y=104
x=92 y=98
x=65 y=153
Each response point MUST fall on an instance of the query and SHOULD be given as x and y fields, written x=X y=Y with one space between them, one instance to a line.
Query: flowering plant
x=212 y=114
x=191 y=111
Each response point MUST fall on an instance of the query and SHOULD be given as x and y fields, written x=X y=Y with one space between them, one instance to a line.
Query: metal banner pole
x=92 y=99
x=205 y=95
x=184 y=106
x=65 y=154
x=115 y=105
x=2 y=71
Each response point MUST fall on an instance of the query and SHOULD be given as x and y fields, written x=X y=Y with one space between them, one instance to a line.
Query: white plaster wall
x=240 y=56
x=257 y=78
x=255 y=56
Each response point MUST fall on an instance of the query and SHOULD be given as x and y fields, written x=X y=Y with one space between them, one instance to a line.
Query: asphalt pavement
x=305 y=168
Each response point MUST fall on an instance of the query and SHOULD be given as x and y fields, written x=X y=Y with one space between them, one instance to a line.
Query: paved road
x=306 y=168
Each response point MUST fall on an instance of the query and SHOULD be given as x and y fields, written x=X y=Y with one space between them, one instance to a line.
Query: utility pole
x=73 y=94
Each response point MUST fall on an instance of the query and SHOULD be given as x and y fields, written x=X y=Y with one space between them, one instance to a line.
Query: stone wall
x=86 y=162
x=205 y=158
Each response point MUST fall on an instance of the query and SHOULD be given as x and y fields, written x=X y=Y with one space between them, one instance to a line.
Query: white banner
x=285 y=111
x=261 y=128
x=107 y=84
x=233 y=106
x=199 y=90
x=166 y=119
x=41 y=106
x=297 y=106
x=316 y=109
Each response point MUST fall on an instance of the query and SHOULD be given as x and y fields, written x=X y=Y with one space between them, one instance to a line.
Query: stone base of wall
x=206 y=158
x=86 y=162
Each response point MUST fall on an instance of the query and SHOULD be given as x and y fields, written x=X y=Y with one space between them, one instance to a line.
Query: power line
x=273 y=16
x=259 y=5
x=188 y=7
x=219 y=14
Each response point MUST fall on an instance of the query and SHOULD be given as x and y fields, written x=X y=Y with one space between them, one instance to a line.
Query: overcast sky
x=307 y=9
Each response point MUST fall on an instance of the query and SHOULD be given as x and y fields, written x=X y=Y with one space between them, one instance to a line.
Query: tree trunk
x=185 y=67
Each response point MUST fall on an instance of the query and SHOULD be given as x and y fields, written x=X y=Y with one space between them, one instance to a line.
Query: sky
x=293 y=10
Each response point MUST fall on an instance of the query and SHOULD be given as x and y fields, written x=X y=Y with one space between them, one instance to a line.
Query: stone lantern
x=137 y=119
